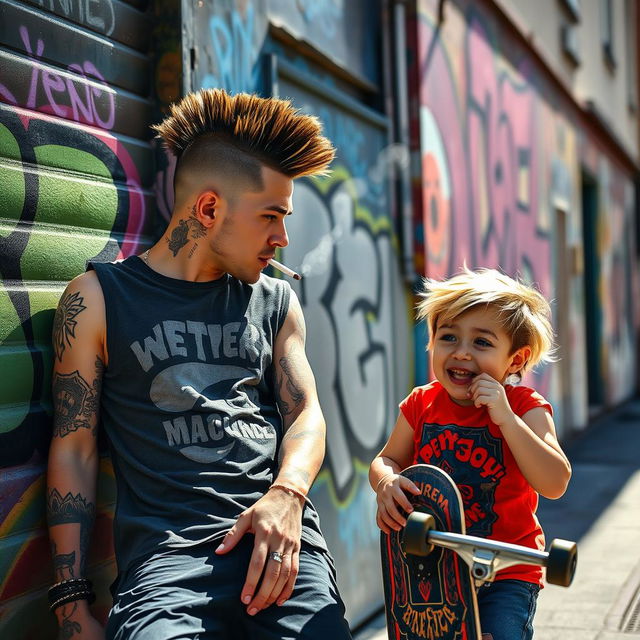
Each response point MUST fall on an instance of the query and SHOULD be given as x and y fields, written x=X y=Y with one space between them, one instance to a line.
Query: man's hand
x=75 y=622
x=485 y=391
x=276 y=522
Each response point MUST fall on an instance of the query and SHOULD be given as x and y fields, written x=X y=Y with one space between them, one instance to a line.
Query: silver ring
x=276 y=555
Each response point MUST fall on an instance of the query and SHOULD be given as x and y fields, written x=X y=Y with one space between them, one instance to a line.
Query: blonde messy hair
x=525 y=312
x=269 y=130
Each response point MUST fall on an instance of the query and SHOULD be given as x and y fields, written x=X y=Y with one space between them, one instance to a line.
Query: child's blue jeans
x=507 y=608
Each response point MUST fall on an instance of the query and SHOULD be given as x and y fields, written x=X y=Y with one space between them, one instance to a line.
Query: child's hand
x=485 y=391
x=390 y=494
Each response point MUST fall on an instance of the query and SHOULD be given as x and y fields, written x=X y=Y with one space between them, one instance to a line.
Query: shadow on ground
x=603 y=458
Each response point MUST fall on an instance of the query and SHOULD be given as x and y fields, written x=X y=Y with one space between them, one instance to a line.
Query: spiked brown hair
x=270 y=130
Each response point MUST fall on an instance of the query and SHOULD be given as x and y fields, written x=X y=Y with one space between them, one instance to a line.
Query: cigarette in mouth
x=287 y=272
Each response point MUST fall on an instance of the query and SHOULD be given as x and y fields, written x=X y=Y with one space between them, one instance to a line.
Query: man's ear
x=519 y=359
x=205 y=207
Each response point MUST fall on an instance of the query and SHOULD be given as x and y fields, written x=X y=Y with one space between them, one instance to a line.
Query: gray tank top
x=187 y=405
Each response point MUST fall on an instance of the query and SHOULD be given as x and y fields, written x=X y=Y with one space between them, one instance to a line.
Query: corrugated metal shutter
x=76 y=183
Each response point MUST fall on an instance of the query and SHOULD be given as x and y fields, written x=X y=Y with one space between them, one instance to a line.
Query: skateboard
x=431 y=568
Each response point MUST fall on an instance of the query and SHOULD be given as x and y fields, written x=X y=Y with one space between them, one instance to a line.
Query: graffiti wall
x=500 y=166
x=616 y=288
x=343 y=242
x=77 y=180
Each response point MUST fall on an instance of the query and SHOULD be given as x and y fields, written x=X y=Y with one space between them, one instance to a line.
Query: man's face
x=250 y=229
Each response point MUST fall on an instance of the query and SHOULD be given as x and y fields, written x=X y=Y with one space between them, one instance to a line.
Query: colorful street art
x=500 y=157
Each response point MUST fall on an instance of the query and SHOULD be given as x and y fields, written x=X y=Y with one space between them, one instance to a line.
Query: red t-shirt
x=498 y=501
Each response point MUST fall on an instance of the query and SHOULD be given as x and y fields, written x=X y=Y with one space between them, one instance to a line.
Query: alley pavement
x=601 y=512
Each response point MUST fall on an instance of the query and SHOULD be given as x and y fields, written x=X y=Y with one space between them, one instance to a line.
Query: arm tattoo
x=69 y=627
x=71 y=510
x=64 y=322
x=76 y=403
x=295 y=393
x=63 y=563
x=180 y=235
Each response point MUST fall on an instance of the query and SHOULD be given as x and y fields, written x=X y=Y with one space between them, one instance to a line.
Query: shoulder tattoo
x=64 y=322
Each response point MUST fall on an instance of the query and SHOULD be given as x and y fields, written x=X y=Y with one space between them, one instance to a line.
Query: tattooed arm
x=276 y=519
x=303 y=445
x=79 y=357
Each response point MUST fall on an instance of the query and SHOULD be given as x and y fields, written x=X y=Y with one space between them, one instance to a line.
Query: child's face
x=473 y=343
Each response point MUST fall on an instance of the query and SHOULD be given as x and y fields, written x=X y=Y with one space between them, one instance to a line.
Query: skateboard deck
x=430 y=596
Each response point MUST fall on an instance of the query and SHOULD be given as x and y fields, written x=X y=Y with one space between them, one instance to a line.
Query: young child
x=497 y=441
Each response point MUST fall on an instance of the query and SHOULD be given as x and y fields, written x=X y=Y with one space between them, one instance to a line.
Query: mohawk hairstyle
x=269 y=129
x=524 y=311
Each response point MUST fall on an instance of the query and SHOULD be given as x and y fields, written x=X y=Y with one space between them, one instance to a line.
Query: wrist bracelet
x=69 y=590
x=289 y=490
x=73 y=597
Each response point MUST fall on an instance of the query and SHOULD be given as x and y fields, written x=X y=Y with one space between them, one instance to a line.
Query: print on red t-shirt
x=473 y=457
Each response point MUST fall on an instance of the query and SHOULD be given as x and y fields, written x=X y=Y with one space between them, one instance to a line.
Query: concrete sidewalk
x=601 y=511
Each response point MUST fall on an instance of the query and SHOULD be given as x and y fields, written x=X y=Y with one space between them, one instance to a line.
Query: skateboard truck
x=486 y=557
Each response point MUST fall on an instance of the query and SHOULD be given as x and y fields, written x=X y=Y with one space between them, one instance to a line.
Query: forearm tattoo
x=180 y=234
x=76 y=403
x=63 y=563
x=68 y=627
x=64 y=322
x=70 y=509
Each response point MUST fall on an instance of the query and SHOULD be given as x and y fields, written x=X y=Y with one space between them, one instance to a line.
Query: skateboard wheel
x=416 y=533
x=561 y=563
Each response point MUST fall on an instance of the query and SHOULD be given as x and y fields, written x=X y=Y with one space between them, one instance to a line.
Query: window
x=631 y=47
x=569 y=38
x=606 y=24
x=574 y=8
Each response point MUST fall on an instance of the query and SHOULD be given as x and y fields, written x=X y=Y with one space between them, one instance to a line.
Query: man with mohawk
x=194 y=363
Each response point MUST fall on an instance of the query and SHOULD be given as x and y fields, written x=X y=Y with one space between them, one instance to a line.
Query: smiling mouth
x=461 y=376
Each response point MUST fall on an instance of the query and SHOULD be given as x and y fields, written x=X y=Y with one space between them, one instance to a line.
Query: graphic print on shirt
x=474 y=459
x=201 y=378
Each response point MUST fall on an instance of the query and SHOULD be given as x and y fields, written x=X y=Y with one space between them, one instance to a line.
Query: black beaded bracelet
x=68 y=587
x=73 y=597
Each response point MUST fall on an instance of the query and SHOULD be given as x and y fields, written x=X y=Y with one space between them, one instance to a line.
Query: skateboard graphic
x=431 y=568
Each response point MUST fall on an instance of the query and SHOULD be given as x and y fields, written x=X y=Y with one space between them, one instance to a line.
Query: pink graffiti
x=502 y=160
x=488 y=126
x=82 y=96
x=486 y=122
